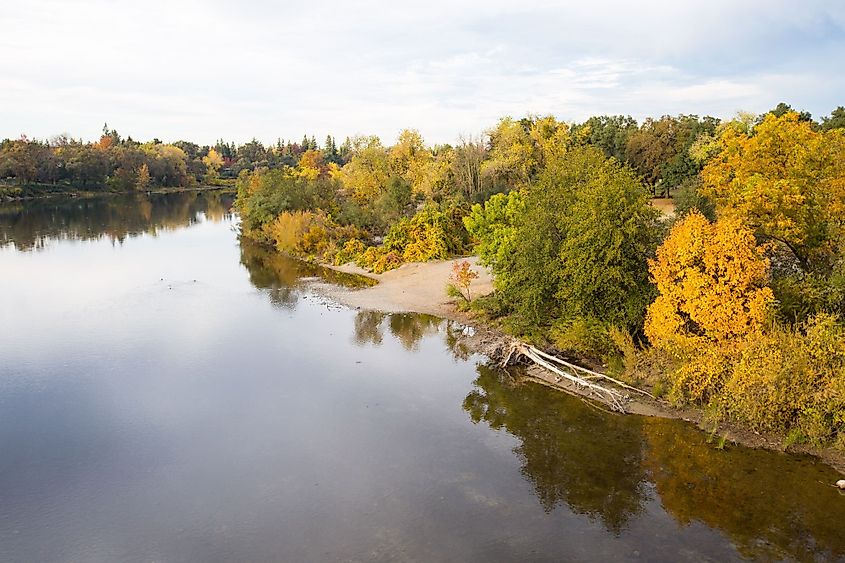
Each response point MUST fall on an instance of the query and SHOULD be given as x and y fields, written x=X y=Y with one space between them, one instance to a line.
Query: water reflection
x=605 y=466
x=31 y=225
x=369 y=328
x=285 y=278
x=572 y=454
x=772 y=506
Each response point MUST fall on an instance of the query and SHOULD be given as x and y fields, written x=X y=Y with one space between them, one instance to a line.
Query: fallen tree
x=584 y=379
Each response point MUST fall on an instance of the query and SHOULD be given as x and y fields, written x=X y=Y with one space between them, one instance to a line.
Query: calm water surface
x=169 y=394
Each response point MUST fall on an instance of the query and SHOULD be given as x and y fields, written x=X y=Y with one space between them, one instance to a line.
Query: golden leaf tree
x=713 y=295
x=712 y=283
x=787 y=181
x=213 y=162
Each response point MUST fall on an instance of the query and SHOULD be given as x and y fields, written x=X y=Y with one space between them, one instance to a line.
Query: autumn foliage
x=712 y=283
x=462 y=277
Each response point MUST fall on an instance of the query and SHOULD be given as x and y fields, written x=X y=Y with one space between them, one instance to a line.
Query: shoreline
x=105 y=192
x=420 y=288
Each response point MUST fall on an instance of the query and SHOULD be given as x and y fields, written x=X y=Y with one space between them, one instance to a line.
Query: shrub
x=351 y=251
x=583 y=336
x=462 y=276
x=431 y=234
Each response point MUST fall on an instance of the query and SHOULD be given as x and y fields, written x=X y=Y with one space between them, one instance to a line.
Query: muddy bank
x=420 y=288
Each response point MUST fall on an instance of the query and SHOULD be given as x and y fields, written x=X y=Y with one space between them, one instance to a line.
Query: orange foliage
x=712 y=283
x=786 y=180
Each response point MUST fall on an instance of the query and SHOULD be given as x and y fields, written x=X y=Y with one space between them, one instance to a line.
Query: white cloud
x=206 y=70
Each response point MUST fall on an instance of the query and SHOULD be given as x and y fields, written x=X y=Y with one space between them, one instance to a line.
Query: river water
x=170 y=394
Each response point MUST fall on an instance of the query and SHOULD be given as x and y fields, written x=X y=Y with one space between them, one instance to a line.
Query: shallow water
x=168 y=394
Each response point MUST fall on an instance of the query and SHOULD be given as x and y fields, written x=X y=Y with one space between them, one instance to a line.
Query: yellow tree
x=143 y=181
x=213 y=162
x=786 y=181
x=713 y=295
x=712 y=283
x=367 y=172
x=512 y=158
x=410 y=159
x=311 y=164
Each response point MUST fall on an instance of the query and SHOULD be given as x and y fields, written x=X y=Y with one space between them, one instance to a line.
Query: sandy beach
x=411 y=288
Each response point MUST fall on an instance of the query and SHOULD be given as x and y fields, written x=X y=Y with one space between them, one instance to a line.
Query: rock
x=468 y=331
x=841 y=484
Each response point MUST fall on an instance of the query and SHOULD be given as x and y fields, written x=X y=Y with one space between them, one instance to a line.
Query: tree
x=466 y=166
x=783 y=108
x=311 y=164
x=512 y=159
x=493 y=226
x=787 y=181
x=330 y=153
x=213 y=162
x=409 y=158
x=712 y=283
x=660 y=149
x=578 y=246
x=609 y=133
x=835 y=121
x=143 y=181
x=367 y=172
x=462 y=277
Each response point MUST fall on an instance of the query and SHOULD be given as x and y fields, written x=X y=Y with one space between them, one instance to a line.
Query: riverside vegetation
x=734 y=304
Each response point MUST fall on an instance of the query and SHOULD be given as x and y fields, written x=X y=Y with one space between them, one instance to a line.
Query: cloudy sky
x=203 y=70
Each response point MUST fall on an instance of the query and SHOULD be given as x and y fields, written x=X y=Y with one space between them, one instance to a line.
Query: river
x=170 y=394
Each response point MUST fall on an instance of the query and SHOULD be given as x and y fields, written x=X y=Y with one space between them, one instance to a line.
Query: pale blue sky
x=185 y=69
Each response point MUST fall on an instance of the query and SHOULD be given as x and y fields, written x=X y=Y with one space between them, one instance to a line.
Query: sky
x=237 y=70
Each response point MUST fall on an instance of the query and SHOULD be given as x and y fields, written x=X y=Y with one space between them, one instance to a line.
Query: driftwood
x=580 y=376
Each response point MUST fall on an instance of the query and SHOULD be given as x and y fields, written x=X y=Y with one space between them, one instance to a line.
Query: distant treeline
x=122 y=164
x=657 y=149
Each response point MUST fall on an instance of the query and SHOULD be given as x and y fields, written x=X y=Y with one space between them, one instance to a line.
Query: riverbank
x=8 y=194
x=420 y=288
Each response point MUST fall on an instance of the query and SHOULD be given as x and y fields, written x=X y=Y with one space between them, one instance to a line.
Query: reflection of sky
x=144 y=418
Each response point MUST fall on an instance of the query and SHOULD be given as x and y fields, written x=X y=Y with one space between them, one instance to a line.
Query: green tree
x=835 y=121
x=580 y=244
x=609 y=133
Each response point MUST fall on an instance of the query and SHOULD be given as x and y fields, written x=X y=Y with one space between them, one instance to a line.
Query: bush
x=431 y=234
x=583 y=336
x=351 y=251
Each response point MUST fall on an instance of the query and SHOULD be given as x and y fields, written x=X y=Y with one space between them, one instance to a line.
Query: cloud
x=209 y=70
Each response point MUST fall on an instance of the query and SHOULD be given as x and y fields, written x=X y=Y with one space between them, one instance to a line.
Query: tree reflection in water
x=768 y=503
x=118 y=217
x=604 y=465
x=572 y=454
x=285 y=278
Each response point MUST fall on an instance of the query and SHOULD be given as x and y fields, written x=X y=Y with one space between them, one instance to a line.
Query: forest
x=733 y=302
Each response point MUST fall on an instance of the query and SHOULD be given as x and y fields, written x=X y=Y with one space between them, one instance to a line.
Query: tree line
x=119 y=164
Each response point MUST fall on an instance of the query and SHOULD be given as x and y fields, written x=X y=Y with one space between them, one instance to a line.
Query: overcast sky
x=184 y=69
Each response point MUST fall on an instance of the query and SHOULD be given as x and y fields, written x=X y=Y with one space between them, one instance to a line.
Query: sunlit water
x=168 y=394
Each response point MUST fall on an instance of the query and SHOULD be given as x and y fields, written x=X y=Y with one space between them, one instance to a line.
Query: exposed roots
x=581 y=377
